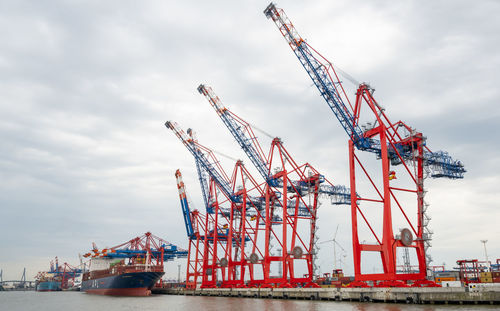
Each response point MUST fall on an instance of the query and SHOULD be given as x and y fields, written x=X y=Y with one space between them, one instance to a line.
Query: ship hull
x=48 y=286
x=126 y=284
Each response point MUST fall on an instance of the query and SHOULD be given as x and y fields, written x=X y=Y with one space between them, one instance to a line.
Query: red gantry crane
x=195 y=227
x=397 y=147
x=291 y=194
x=235 y=208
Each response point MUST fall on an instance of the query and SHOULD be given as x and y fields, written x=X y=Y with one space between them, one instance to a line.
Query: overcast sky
x=86 y=87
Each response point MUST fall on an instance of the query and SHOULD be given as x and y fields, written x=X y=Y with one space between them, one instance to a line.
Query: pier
x=443 y=295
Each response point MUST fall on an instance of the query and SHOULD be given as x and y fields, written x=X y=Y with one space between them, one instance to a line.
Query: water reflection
x=74 y=301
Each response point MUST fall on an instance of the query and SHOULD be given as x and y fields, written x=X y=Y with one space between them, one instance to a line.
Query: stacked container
x=495 y=276
x=486 y=277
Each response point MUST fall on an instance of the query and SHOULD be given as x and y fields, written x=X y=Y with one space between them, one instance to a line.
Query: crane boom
x=325 y=78
x=241 y=131
x=393 y=143
x=202 y=176
x=184 y=205
x=202 y=154
x=319 y=70
x=202 y=157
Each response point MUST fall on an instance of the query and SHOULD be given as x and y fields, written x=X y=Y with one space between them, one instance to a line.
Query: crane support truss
x=324 y=76
x=231 y=216
x=254 y=228
x=395 y=144
x=243 y=132
x=203 y=179
x=196 y=234
x=194 y=269
x=195 y=228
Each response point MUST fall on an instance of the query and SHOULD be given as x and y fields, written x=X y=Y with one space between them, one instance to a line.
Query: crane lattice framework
x=195 y=222
x=244 y=134
x=292 y=193
x=217 y=216
x=394 y=144
x=235 y=210
x=257 y=214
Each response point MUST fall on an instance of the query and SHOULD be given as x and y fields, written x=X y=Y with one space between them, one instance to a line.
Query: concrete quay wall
x=450 y=295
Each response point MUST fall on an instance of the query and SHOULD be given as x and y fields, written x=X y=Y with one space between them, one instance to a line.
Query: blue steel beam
x=202 y=177
x=197 y=152
x=440 y=163
x=200 y=154
x=168 y=254
x=186 y=212
x=250 y=145
x=237 y=129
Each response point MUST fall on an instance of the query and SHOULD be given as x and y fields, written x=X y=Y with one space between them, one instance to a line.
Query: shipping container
x=447 y=274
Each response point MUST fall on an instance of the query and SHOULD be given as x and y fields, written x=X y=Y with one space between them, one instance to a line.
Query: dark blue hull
x=126 y=284
x=48 y=286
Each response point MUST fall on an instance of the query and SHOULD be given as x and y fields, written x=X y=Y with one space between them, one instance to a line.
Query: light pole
x=178 y=273
x=485 y=252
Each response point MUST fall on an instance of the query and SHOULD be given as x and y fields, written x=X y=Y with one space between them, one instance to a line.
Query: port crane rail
x=394 y=144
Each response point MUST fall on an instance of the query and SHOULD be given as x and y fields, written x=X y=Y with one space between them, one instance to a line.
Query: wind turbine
x=335 y=243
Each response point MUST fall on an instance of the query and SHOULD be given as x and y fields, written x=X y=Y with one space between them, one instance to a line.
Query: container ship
x=59 y=277
x=108 y=276
x=48 y=282
x=132 y=268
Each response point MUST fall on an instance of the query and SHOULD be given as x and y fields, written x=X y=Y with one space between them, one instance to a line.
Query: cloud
x=87 y=86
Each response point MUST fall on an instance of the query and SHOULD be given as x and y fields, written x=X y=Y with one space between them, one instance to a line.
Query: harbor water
x=76 y=301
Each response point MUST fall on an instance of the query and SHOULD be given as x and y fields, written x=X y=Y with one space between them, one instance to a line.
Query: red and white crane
x=398 y=148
